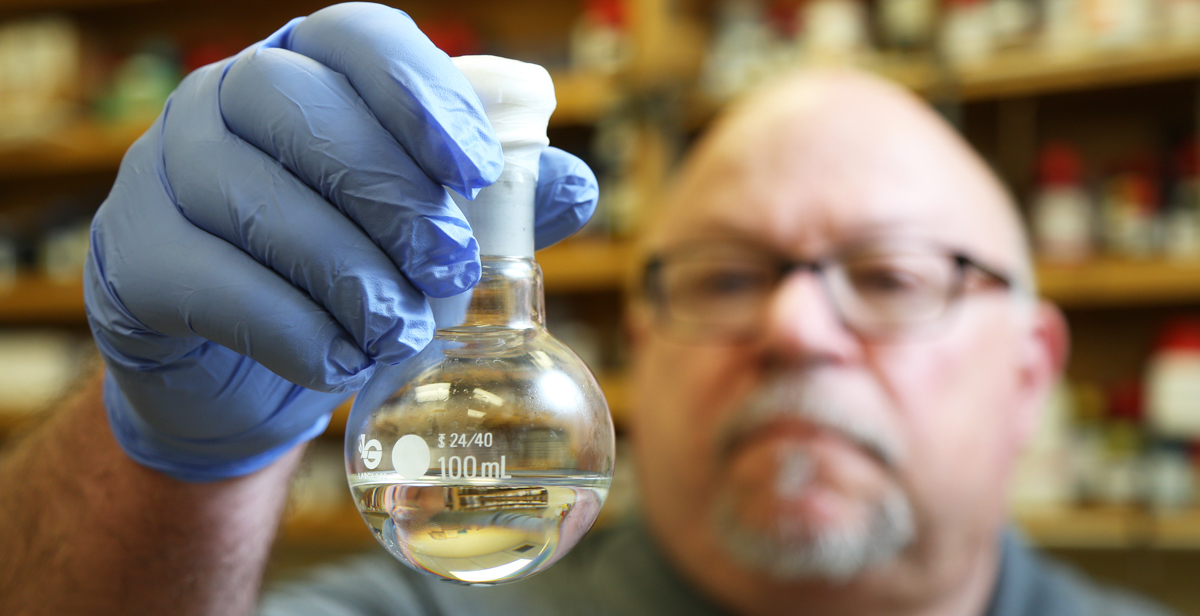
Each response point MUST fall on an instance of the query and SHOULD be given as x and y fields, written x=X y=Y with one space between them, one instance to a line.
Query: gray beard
x=790 y=549
x=790 y=552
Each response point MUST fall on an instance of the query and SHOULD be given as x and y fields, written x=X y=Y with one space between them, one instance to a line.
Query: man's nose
x=802 y=323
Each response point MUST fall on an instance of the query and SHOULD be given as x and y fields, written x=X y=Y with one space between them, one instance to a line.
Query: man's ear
x=1043 y=360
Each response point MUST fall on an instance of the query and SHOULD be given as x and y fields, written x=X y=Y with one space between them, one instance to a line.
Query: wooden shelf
x=339 y=526
x=615 y=390
x=583 y=98
x=1177 y=530
x=587 y=265
x=11 y=421
x=81 y=148
x=87 y=147
x=1022 y=73
x=1086 y=527
x=1112 y=527
x=1109 y=527
x=1113 y=282
x=1033 y=72
x=36 y=299
x=59 y=5
x=591 y=265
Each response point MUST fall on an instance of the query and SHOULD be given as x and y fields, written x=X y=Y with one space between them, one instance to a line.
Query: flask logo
x=371 y=452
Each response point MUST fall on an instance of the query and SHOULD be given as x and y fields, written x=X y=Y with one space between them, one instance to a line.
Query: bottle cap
x=1187 y=164
x=1181 y=334
x=1059 y=164
x=1125 y=400
x=610 y=13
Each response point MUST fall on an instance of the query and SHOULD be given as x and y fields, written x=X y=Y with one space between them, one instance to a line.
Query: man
x=838 y=356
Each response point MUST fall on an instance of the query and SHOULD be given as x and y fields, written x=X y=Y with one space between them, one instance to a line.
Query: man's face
x=818 y=449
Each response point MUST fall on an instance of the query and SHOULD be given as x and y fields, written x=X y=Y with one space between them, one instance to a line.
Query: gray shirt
x=619 y=571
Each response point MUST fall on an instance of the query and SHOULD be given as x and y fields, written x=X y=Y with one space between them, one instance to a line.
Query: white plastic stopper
x=518 y=98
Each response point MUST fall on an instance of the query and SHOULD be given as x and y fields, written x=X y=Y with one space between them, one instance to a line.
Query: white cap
x=518 y=98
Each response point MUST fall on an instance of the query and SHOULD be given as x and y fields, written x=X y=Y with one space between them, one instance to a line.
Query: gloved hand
x=274 y=234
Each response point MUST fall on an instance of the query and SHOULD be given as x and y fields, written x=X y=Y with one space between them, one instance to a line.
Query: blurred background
x=1088 y=109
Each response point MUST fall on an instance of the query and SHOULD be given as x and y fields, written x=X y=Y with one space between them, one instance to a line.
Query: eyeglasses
x=882 y=289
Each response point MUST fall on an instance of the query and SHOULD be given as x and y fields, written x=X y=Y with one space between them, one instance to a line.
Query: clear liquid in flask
x=479 y=532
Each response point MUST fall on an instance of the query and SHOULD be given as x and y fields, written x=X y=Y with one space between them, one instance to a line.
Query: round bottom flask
x=487 y=457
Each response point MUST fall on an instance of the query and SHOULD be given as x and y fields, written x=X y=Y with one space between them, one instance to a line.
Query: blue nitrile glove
x=274 y=235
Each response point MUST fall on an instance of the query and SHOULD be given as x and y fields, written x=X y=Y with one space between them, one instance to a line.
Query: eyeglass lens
x=726 y=291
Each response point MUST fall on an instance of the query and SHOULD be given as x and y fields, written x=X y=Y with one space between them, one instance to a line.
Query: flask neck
x=501 y=215
x=509 y=296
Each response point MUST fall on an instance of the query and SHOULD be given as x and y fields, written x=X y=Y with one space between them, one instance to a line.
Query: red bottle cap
x=1125 y=400
x=1059 y=164
x=1187 y=163
x=452 y=35
x=607 y=12
x=1180 y=334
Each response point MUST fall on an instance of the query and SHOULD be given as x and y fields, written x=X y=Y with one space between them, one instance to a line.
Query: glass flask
x=488 y=456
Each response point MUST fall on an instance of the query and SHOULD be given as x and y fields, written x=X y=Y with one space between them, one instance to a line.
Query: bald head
x=853 y=155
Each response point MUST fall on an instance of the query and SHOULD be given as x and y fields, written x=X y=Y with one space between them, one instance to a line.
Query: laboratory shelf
x=1177 y=530
x=81 y=147
x=588 y=265
x=599 y=266
x=918 y=74
x=584 y=265
x=35 y=299
x=1113 y=527
x=12 y=420
x=1120 y=282
x=1028 y=72
x=615 y=387
x=583 y=98
x=86 y=146
x=596 y=265
x=1087 y=527
x=1033 y=72
x=616 y=391
x=337 y=526
x=59 y=5
x=1105 y=527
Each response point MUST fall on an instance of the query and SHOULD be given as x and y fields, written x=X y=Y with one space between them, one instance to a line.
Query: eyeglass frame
x=785 y=267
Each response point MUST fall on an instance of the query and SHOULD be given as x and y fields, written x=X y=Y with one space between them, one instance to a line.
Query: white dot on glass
x=410 y=456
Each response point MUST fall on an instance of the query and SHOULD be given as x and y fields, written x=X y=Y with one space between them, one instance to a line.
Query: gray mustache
x=814 y=400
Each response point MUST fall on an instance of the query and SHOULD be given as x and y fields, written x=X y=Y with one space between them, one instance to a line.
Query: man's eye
x=892 y=281
x=724 y=284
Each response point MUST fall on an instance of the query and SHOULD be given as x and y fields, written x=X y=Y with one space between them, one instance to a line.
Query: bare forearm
x=88 y=531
